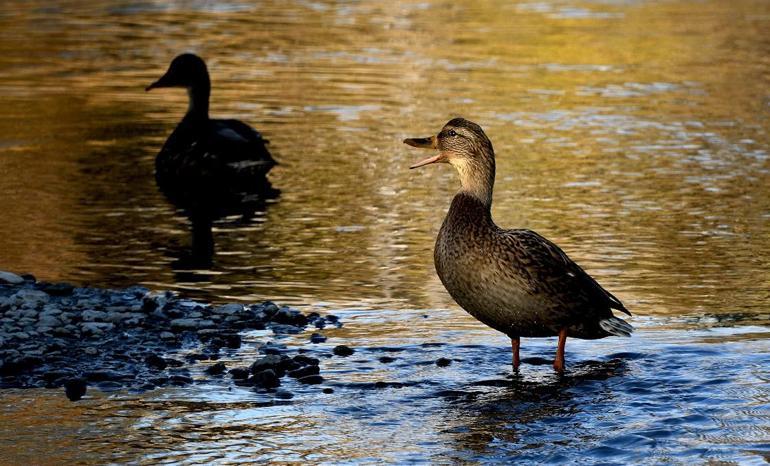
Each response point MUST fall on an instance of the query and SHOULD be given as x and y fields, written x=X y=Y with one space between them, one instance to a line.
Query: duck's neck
x=198 y=94
x=477 y=179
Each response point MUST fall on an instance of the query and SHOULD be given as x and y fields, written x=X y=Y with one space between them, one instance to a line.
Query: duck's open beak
x=425 y=143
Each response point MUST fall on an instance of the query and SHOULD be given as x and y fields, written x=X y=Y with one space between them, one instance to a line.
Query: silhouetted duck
x=514 y=281
x=207 y=165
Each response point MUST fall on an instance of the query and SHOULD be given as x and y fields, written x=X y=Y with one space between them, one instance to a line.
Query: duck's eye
x=451 y=133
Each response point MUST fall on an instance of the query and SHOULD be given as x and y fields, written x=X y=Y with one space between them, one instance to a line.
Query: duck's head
x=187 y=70
x=463 y=144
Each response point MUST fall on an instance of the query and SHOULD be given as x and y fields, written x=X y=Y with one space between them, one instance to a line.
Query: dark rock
x=232 y=340
x=56 y=289
x=332 y=318
x=266 y=379
x=305 y=360
x=239 y=373
x=180 y=379
x=443 y=362
x=343 y=350
x=387 y=359
x=328 y=390
x=303 y=372
x=272 y=361
x=75 y=388
x=174 y=362
x=311 y=379
x=381 y=385
x=156 y=362
x=216 y=369
x=159 y=381
x=284 y=395
x=195 y=357
x=317 y=338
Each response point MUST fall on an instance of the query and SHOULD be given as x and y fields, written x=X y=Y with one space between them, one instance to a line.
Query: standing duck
x=209 y=167
x=515 y=281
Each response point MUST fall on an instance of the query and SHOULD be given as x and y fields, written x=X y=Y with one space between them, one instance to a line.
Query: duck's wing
x=551 y=269
x=240 y=144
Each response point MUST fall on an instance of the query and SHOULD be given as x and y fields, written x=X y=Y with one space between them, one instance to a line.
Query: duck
x=512 y=280
x=209 y=167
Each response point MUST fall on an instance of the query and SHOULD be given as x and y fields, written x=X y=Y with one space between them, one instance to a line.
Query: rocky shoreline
x=57 y=335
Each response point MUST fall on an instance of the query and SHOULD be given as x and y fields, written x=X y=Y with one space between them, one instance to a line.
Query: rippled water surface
x=632 y=133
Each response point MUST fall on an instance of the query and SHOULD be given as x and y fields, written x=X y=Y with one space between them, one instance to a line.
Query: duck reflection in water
x=514 y=415
x=210 y=168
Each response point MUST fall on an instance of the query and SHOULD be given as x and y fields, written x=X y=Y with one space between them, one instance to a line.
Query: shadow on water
x=499 y=410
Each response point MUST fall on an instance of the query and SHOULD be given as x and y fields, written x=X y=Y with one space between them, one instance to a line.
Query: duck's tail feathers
x=616 y=326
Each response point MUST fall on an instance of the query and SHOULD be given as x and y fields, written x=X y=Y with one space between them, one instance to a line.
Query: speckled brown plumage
x=514 y=281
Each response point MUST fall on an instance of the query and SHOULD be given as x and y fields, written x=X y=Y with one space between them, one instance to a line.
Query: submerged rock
x=443 y=362
x=343 y=350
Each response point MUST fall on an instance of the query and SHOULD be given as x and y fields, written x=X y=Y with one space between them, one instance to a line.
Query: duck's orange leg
x=515 y=347
x=558 y=363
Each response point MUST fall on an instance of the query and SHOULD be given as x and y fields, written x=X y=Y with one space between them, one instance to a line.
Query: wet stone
x=443 y=362
x=266 y=379
x=239 y=373
x=387 y=359
x=343 y=350
x=303 y=372
x=311 y=379
x=10 y=278
x=272 y=362
x=305 y=360
x=216 y=369
x=180 y=380
x=121 y=339
x=156 y=362
x=284 y=395
x=317 y=338
x=328 y=390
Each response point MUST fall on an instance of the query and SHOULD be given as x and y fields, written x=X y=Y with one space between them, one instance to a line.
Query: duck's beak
x=425 y=143
x=164 y=81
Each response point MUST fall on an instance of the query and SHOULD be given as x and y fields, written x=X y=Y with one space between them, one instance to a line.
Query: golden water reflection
x=633 y=138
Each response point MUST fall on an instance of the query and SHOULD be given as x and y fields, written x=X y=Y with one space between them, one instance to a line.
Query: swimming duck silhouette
x=208 y=166
x=515 y=281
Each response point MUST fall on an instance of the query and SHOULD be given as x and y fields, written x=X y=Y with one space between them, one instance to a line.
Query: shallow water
x=634 y=134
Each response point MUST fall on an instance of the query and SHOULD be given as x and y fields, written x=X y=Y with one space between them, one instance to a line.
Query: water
x=633 y=134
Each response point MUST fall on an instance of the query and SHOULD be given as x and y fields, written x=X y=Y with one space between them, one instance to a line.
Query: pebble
x=50 y=333
x=156 y=362
x=443 y=362
x=10 y=278
x=284 y=395
x=343 y=350
x=216 y=369
x=266 y=379
x=239 y=373
x=317 y=338
x=303 y=372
